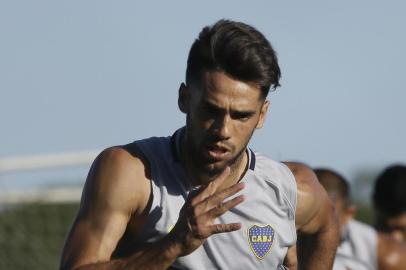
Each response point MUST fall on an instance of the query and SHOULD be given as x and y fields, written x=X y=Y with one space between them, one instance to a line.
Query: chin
x=215 y=168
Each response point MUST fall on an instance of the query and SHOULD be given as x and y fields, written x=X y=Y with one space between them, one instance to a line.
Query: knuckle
x=218 y=228
x=220 y=208
x=217 y=197
x=210 y=185
x=211 y=188
x=230 y=227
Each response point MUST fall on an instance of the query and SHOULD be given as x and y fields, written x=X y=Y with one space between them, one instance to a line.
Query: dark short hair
x=238 y=50
x=334 y=183
x=389 y=195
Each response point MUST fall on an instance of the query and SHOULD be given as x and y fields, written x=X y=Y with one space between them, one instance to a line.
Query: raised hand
x=197 y=216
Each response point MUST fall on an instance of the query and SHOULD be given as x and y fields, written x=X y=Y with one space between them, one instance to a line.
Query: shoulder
x=124 y=159
x=313 y=206
x=304 y=175
x=306 y=180
x=118 y=178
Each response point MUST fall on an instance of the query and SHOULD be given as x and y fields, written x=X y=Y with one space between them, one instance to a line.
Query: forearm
x=290 y=261
x=155 y=256
x=317 y=251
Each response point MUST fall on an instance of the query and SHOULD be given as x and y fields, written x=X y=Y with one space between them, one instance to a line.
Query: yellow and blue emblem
x=260 y=239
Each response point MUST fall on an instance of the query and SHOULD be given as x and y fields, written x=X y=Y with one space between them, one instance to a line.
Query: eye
x=242 y=116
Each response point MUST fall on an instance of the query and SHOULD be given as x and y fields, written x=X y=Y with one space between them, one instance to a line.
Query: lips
x=217 y=152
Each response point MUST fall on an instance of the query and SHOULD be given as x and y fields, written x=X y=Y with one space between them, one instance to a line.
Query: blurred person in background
x=389 y=200
x=361 y=246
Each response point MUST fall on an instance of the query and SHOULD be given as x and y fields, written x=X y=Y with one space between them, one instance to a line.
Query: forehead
x=223 y=90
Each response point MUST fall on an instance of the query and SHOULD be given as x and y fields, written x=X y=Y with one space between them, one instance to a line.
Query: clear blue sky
x=83 y=75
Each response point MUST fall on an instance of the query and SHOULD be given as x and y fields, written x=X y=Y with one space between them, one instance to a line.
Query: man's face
x=222 y=114
x=396 y=226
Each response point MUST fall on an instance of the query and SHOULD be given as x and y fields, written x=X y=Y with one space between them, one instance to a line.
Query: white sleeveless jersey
x=358 y=248
x=267 y=215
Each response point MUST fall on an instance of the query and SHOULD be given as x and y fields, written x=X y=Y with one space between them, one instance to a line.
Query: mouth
x=217 y=152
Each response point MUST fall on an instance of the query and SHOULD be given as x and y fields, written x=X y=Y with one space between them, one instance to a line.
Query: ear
x=183 y=98
x=349 y=213
x=262 y=114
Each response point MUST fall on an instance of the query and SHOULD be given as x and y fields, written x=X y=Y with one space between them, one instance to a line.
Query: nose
x=221 y=127
x=398 y=235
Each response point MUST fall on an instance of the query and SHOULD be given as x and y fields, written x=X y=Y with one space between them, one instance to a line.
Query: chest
x=262 y=242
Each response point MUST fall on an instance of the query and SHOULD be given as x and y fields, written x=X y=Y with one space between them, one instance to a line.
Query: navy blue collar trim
x=252 y=160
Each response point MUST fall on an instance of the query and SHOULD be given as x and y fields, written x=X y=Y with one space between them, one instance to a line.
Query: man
x=201 y=199
x=361 y=247
x=389 y=199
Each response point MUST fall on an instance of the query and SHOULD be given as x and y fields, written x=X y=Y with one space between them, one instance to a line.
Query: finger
x=224 y=228
x=218 y=198
x=212 y=187
x=221 y=208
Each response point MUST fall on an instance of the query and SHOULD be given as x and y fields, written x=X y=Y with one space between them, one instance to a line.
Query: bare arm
x=118 y=188
x=290 y=260
x=115 y=189
x=318 y=232
x=391 y=254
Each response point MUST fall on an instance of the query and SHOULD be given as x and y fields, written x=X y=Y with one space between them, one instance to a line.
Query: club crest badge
x=260 y=239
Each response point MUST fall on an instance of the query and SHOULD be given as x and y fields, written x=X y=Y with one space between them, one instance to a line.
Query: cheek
x=246 y=129
x=199 y=120
x=196 y=122
x=242 y=135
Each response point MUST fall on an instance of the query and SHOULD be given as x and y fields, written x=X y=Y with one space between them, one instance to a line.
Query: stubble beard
x=203 y=167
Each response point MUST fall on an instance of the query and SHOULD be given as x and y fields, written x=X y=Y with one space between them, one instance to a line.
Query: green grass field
x=32 y=235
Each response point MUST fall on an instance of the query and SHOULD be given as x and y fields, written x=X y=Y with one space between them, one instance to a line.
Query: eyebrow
x=214 y=107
